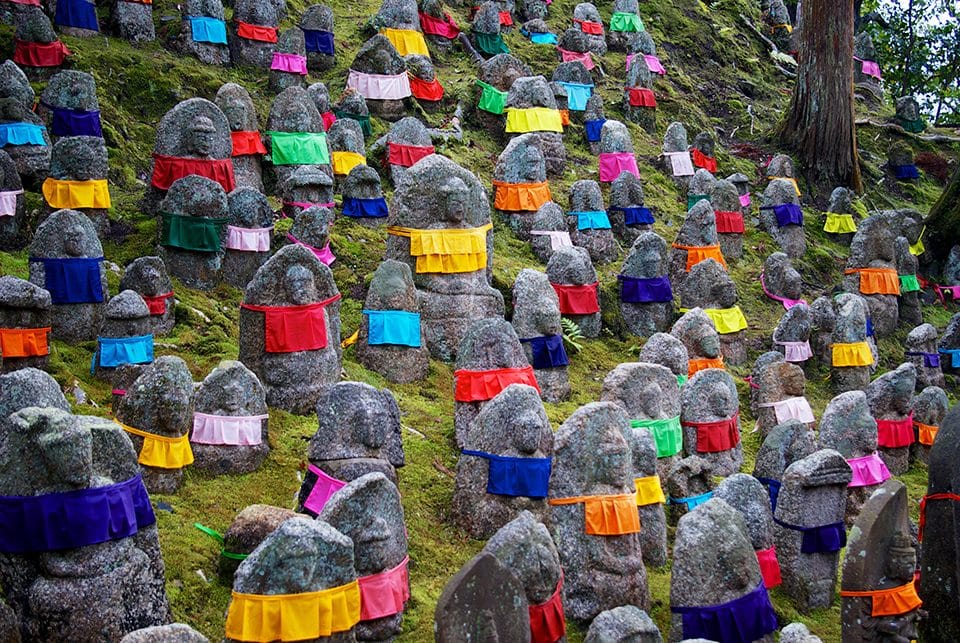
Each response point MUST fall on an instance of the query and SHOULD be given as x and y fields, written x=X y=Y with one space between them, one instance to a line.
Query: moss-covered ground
x=720 y=79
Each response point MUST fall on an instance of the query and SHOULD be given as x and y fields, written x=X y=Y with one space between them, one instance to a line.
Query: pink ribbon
x=613 y=163
x=795 y=352
x=248 y=239
x=325 y=487
x=792 y=408
x=745 y=200
x=303 y=205
x=324 y=254
x=227 y=430
x=571 y=56
x=8 y=203
x=787 y=303
x=868 y=470
x=379 y=86
x=290 y=63
x=869 y=67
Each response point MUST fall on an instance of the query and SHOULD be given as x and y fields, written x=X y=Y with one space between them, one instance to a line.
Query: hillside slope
x=720 y=79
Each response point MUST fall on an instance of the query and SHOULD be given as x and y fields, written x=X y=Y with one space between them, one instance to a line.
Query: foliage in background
x=918 y=47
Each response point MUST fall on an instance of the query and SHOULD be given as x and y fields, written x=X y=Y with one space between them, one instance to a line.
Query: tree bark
x=943 y=222
x=820 y=126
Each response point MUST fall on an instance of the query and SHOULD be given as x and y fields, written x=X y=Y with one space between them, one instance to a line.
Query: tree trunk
x=943 y=222
x=820 y=127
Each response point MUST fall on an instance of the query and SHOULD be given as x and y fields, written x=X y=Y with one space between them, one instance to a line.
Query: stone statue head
x=453 y=197
x=199 y=137
x=299 y=285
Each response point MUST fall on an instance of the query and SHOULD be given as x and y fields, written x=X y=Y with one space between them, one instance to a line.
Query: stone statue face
x=611 y=461
x=199 y=137
x=902 y=563
x=708 y=342
x=73 y=238
x=236 y=112
x=910 y=110
x=454 y=195
x=650 y=396
x=376 y=540
x=299 y=285
x=369 y=423
x=232 y=396
x=526 y=432
x=67 y=455
x=533 y=159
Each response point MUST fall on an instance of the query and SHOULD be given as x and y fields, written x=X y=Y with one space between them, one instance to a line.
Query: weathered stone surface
x=193 y=196
x=441 y=194
x=780 y=166
x=880 y=556
x=252 y=53
x=795 y=327
x=666 y=350
x=208 y=53
x=585 y=196
x=841 y=202
x=627 y=41
x=535 y=91
x=13 y=229
x=626 y=191
x=23 y=305
x=32 y=162
x=571 y=266
x=499 y=71
x=874 y=246
x=762 y=362
x=909 y=313
x=489 y=344
x=133 y=21
x=647 y=260
x=407 y=131
x=780 y=395
x=515 y=425
x=790 y=238
x=148 y=277
x=235 y=103
x=311 y=230
x=890 y=397
x=68 y=234
x=536 y=313
x=851 y=328
x=293 y=110
x=368 y=511
x=91 y=593
x=33 y=26
x=594 y=112
x=549 y=218
x=750 y=499
x=521 y=161
x=601 y=572
x=849 y=427
x=646 y=391
x=193 y=129
x=378 y=56
x=711 y=396
x=938 y=585
x=80 y=158
x=929 y=408
x=68 y=89
x=231 y=389
x=294 y=381
x=699 y=228
x=813 y=494
x=318 y=17
x=392 y=288
x=248 y=210
x=126 y=315
x=798 y=633
x=525 y=547
x=708 y=286
x=482 y=600
x=785 y=444
x=625 y=623
x=950 y=341
x=688 y=479
x=358 y=433
x=249 y=528
x=698 y=334
x=345 y=135
x=708 y=570
x=173 y=633
x=781 y=278
x=159 y=402
x=290 y=41
x=823 y=319
x=301 y=556
x=725 y=197
x=306 y=185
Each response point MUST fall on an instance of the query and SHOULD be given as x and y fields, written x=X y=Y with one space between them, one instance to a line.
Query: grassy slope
x=715 y=71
